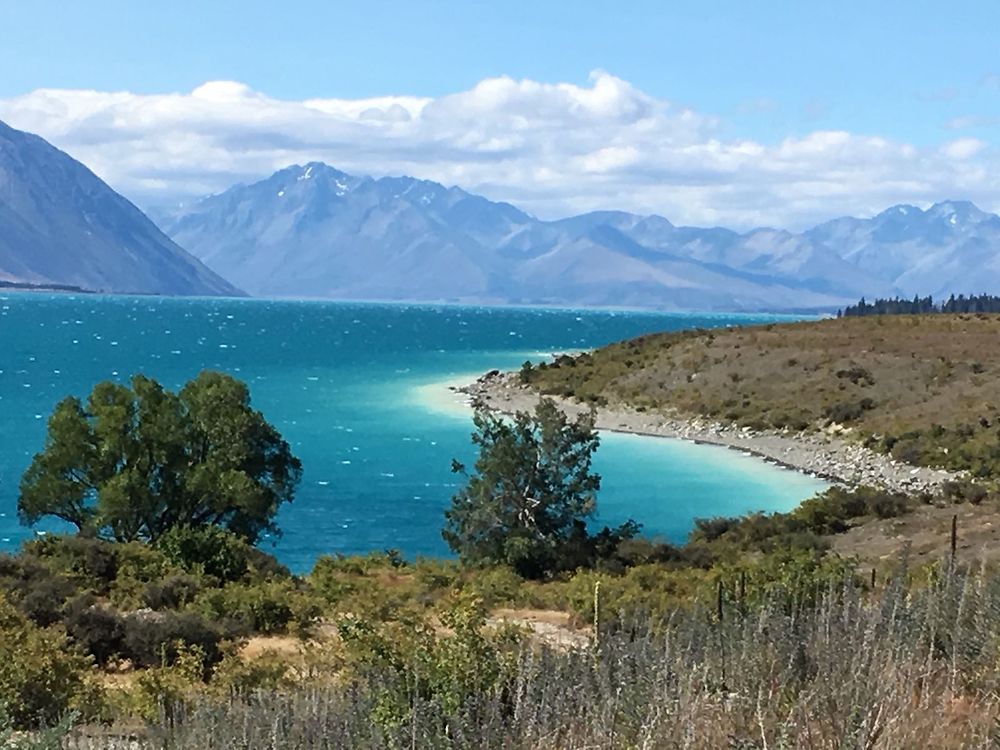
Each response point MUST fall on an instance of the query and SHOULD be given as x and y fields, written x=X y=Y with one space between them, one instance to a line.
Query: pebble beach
x=824 y=455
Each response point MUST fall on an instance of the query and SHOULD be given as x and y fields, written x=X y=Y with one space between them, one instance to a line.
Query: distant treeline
x=24 y=285
x=982 y=303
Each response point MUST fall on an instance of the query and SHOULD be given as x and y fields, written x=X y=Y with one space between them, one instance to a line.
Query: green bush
x=235 y=675
x=961 y=491
x=332 y=580
x=448 y=670
x=90 y=563
x=159 y=638
x=96 y=629
x=266 y=607
x=173 y=592
x=208 y=550
x=436 y=575
x=495 y=586
x=138 y=565
x=43 y=595
x=49 y=738
x=832 y=511
x=848 y=411
x=42 y=677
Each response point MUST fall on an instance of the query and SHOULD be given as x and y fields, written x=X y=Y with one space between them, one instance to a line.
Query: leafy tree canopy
x=530 y=493
x=139 y=460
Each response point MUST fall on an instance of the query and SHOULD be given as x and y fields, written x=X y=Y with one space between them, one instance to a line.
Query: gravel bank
x=825 y=456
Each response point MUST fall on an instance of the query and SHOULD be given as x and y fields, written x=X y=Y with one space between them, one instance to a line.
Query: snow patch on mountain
x=336 y=235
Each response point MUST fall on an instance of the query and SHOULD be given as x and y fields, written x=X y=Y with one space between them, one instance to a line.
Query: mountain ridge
x=62 y=226
x=315 y=231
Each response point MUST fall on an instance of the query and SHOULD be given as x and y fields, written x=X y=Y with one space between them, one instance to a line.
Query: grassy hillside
x=924 y=388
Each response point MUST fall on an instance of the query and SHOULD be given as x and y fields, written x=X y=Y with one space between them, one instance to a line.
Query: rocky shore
x=823 y=455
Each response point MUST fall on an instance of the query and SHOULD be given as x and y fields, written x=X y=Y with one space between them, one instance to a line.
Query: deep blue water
x=351 y=388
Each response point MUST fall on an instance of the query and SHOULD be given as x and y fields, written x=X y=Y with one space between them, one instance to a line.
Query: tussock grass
x=911 y=665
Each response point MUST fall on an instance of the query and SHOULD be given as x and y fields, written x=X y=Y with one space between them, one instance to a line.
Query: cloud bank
x=552 y=149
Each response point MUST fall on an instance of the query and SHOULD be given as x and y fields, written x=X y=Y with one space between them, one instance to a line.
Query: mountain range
x=314 y=231
x=61 y=226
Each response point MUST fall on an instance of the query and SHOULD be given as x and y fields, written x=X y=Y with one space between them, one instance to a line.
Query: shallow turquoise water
x=351 y=386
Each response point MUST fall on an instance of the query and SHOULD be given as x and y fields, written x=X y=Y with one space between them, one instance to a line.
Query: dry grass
x=284 y=646
x=902 y=668
x=916 y=370
x=547 y=627
x=924 y=534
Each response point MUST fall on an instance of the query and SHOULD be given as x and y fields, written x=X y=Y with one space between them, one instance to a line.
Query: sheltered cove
x=822 y=454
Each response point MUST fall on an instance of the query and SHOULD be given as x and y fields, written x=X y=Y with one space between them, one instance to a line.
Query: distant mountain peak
x=957 y=211
x=331 y=234
x=902 y=209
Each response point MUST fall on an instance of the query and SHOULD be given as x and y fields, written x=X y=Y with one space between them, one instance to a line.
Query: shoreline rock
x=819 y=454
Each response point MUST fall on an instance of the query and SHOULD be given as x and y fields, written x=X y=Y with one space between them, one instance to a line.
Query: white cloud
x=963 y=148
x=551 y=148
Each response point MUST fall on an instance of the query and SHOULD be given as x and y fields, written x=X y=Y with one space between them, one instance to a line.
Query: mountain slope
x=61 y=225
x=313 y=231
x=951 y=247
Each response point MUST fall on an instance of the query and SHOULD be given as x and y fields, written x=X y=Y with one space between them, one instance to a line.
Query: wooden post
x=597 y=613
x=718 y=602
x=873 y=579
x=954 y=538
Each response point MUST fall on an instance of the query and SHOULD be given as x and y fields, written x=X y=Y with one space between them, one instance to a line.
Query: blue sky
x=915 y=73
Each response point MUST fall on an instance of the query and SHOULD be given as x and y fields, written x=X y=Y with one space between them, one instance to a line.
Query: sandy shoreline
x=825 y=456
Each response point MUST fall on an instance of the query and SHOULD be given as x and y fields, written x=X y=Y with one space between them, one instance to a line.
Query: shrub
x=49 y=738
x=710 y=529
x=848 y=411
x=267 y=607
x=41 y=677
x=43 y=596
x=964 y=491
x=435 y=575
x=888 y=504
x=263 y=565
x=330 y=580
x=159 y=638
x=97 y=630
x=173 y=592
x=209 y=550
x=235 y=675
x=90 y=562
x=494 y=586
x=831 y=511
x=159 y=692
x=857 y=375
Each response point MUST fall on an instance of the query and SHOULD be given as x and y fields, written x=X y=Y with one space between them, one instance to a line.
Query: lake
x=359 y=392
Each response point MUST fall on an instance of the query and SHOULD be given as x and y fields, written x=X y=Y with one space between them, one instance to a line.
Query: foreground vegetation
x=201 y=627
x=831 y=668
x=805 y=662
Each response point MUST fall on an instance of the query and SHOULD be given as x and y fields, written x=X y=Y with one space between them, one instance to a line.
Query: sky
x=731 y=113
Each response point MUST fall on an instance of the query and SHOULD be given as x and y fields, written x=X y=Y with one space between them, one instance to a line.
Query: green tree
x=138 y=461
x=531 y=492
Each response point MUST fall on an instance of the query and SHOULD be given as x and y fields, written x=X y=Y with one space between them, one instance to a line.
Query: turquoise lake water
x=357 y=389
